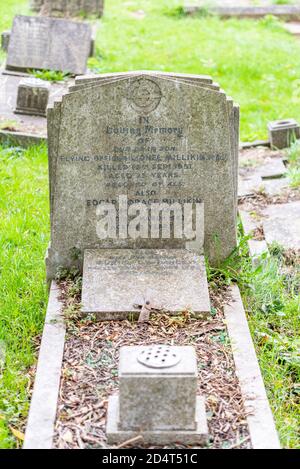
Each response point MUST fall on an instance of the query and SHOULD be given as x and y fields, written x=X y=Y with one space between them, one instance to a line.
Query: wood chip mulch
x=90 y=375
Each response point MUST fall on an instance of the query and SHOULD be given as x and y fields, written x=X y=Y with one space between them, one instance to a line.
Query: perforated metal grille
x=159 y=356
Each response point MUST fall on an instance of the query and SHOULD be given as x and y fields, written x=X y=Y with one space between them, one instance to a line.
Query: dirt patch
x=90 y=374
x=254 y=157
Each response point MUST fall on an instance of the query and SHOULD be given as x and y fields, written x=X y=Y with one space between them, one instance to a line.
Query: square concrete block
x=197 y=437
x=158 y=397
x=161 y=398
x=283 y=132
x=33 y=96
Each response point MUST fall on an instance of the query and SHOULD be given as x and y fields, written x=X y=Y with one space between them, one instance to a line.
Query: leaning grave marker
x=49 y=43
x=106 y=154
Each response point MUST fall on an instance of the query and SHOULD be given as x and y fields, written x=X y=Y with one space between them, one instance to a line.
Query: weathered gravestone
x=49 y=43
x=158 y=397
x=125 y=144
x=68 y=7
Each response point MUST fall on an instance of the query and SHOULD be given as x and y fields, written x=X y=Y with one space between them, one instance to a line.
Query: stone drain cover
x=159 y=356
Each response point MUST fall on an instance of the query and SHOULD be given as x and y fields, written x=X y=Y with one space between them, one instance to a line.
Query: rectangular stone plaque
x=118 y=281
x=49 y=43
x=152 y=138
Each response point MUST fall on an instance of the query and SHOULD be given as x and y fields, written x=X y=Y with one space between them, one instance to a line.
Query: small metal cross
x=146 y=304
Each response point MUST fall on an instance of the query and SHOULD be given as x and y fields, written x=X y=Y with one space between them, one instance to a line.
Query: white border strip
x=260 y=421
x=42 y=414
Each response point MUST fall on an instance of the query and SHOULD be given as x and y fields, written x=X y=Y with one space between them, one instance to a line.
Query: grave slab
x=282 y=224
x=249 y=184
x=274 y=187
x=272 y=169
x=117 y=282
x=261 y=173
x=50 y=44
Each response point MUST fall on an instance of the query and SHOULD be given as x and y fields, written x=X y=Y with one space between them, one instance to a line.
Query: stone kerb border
x=42 y=414
x=260 y=420
x=40 y=426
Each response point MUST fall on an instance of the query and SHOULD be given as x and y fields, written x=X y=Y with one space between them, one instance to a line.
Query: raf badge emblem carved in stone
x=144 y=95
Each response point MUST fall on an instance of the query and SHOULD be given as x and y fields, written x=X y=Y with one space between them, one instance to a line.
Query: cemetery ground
x=255 y=62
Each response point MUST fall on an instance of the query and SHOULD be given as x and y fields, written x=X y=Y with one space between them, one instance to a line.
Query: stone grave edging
x=260 y=419
x=42 y=414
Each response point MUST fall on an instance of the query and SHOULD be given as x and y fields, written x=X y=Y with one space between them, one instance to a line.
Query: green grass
x=24 y=229
x=10 y=8
x=252 y=61
x=272 y=302
x=294 y=164
x=49 y=75
x=255 y=63
x=275 y=325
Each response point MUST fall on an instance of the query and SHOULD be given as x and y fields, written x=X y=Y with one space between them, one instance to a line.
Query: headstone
x=282 y=224
x=283 y=132
x=171 y=281
x=33 y=96
x=147 y=138
x=5 y=36
x=49 y=43
x=158 y=397
x=68 y=7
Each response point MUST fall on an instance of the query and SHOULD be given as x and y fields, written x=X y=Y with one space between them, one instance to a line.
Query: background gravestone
x=153 y=137
x=49 y=43
x=68 y=7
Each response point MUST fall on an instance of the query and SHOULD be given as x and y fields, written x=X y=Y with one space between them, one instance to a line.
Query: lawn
x=255 y=63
